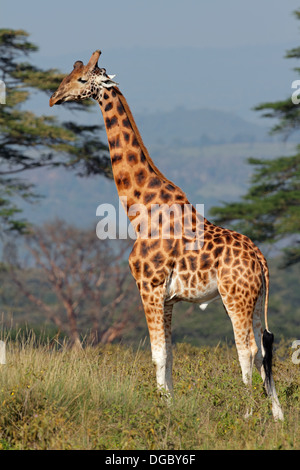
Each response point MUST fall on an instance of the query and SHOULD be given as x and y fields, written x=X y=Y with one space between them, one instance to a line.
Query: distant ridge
x=203 y=151
x=199 y=127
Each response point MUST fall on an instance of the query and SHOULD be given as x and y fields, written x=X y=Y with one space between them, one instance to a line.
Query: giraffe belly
x=181 y=288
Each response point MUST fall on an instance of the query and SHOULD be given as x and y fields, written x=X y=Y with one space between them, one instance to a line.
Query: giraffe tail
x=265 y=275
x=268 y=337
x=268 y=340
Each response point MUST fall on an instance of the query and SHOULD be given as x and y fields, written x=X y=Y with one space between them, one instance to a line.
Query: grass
x=105 y=398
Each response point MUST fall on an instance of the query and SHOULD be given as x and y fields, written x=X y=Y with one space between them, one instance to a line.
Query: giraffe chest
x=197 y=287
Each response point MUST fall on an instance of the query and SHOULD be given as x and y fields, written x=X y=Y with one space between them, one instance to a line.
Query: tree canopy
x=29 y=141
x=270 y=210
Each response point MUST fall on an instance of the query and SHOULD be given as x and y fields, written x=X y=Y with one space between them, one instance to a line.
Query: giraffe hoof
x=278 y=414
x=248 y=414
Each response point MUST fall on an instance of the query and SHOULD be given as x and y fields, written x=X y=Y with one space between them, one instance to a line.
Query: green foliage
x=270 y=210
x=105 y=398
x=29 y=141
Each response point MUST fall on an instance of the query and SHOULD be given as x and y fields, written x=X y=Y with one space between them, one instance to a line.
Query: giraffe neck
x=133 y=169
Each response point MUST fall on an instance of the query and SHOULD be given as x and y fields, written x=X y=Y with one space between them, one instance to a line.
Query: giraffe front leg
x=162 y=353
x=159 y=318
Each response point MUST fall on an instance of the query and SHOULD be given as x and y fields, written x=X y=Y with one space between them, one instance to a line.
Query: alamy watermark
x=295 y=95
x=2 y=92
x=296 y=354
x=164 y=221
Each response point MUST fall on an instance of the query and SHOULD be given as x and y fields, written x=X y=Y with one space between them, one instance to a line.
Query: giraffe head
x=83 y=82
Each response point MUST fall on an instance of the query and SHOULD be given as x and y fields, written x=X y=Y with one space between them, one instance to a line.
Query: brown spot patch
x=193 y=262
x=157 y=260
x=120 y=109
x=205 y=261
x=217 y=251
x=236 y=252
x=111 y=122
x=182 y=264
x=145 y=285
x=114 y=143
x=126 y=136
x=210 y=246
x=228 y=257
x=126 y=123
x=154 y=182
x=165 y=195
x=147 y=270
x=108 y=107
x=168 y=244
x=116 y=159
x=137 y=266
x=123 y=180
x=132 y=158
x=135 y=142
x=140 y=176
x=144 y=249
x=148 y=197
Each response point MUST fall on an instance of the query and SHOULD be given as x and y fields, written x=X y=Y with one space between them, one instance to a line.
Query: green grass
x=105 y=398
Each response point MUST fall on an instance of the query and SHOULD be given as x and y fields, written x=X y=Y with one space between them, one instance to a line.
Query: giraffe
x=168 y=269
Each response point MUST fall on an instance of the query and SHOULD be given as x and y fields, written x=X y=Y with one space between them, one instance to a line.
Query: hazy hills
x=203 y=151
x=198 y=127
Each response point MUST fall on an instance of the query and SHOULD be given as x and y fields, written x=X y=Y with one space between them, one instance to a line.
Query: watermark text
x=158 y=221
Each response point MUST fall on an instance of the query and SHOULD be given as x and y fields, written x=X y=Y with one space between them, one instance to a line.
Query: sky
x=62 y=26
x=233 y=50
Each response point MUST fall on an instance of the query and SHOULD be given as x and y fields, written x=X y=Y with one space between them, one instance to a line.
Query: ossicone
x=93 y=62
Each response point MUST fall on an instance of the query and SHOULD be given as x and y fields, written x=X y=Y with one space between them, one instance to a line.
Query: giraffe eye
x=81 y=80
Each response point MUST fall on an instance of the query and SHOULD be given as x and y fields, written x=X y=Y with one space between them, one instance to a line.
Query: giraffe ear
x=93 y=62
x=108 y=81
x=77 y=64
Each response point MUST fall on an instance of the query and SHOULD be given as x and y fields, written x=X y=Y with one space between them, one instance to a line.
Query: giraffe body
x=167 y=265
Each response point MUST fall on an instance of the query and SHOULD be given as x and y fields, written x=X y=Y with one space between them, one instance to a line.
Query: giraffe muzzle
x=56 y=99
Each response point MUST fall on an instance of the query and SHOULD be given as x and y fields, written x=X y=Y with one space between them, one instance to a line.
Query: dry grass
x=105 y=398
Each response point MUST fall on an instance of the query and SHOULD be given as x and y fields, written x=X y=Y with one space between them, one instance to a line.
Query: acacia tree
x=28 y=141
x=270 y=210
x=89 y=284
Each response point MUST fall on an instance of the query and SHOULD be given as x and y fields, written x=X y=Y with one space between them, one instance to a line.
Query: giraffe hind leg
x=241 y=315
x=252 y=346
x=246 y=349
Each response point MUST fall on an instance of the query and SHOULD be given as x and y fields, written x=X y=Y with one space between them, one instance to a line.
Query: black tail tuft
x=268 y=339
